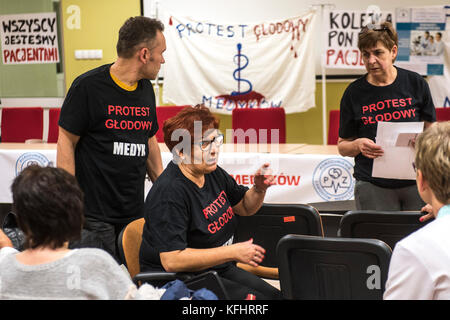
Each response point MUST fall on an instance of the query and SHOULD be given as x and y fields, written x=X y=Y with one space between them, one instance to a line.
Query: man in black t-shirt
x=385 y=93
x=107 y=130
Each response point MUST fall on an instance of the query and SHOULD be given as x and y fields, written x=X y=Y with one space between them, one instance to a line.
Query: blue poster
x=420 y=39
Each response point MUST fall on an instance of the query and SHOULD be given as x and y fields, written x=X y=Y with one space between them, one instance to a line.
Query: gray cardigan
x=86 y=273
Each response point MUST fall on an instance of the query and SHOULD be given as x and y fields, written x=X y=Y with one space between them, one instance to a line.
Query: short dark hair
x=385 y=33
x=185 y=120
x=135 y=31
x=48 y=203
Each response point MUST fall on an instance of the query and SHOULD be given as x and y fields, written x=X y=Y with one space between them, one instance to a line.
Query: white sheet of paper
x=396 y=163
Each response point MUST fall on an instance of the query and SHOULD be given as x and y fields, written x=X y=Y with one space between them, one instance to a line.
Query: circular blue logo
x=333 y=179
x=30 y=158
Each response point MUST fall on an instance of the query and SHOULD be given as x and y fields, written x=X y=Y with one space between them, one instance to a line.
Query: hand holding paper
x=397 y=140
x=369 y=148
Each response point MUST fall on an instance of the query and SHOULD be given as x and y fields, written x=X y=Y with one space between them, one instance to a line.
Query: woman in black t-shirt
x=190 y=210
x=385 y=93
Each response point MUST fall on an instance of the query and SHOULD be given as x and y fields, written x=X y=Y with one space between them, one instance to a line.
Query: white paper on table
x=394 y=138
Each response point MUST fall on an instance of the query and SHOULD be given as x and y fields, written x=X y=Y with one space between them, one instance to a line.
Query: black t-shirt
x=114 y=126
x=178 y=214
x=407 y=99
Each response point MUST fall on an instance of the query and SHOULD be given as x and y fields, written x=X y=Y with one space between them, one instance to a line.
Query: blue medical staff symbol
x=333 y=180
x=244 y=95
x=237 y=73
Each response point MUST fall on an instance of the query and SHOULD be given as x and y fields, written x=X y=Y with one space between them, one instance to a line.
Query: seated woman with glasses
x=384 y=93
x=190 y=211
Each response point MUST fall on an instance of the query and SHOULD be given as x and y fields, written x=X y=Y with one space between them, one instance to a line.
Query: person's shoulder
x=409 y=75
x=169 y=182
x=91 y=256
x=357 y=83
x=91 y=75
x=426 y=235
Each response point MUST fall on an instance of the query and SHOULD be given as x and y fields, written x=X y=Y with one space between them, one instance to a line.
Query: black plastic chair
x=129 y=243
x=388 y=226
x=320 y=268
x=270 y=224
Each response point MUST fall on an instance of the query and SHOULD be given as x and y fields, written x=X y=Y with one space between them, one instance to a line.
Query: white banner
x=341 y=31
x=300 y=178
x=268 y=64
x=29 y=38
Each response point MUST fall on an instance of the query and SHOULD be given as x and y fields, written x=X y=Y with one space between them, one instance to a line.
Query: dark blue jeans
x=107 y=233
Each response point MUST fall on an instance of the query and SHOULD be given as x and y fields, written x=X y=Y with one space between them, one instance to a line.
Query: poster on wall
x=341 y=35
x=420 y=38
x=264 y=64
x=440 y=85
x=29 y=38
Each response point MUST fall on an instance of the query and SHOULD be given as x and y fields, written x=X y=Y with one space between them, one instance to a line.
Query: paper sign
x=29 y=38
x=397 y=141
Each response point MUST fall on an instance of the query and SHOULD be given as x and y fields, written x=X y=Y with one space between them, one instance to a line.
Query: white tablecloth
x=301 y=178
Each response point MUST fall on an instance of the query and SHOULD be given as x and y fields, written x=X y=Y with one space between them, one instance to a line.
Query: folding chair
x=388 y=226
x=328 y=268
x=259 y=125
x=269 y=225
x=22 y=123
x=129 y=243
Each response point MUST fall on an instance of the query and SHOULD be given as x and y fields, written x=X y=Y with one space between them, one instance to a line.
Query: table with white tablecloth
x=304 y=173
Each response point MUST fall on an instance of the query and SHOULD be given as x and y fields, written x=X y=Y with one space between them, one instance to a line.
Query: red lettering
x=330 y=52
x=345 y=57
x=378 y=105
x=110 y=109
x=293 y=180
x=109 y=123
x=364 y=120
x=395 y=103
x=211 y=228
x=340 y=56
x=409 y=100
x=407 y=113
x=396 y=115
x=364 y=109
x=387 y=117
x=372 y=108
x=388 y=103
x=356 y=54
x=402 y=102
x=6 y=54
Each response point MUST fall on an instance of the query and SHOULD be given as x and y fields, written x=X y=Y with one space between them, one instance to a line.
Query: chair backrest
x=333 y=127
x=129 y=244
x=53 y=128
x=388 y=226
x=259 y=125
x=22 y=123
x=443 y=114
x=163 y=113
x=327 y=268
x=272 y=222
